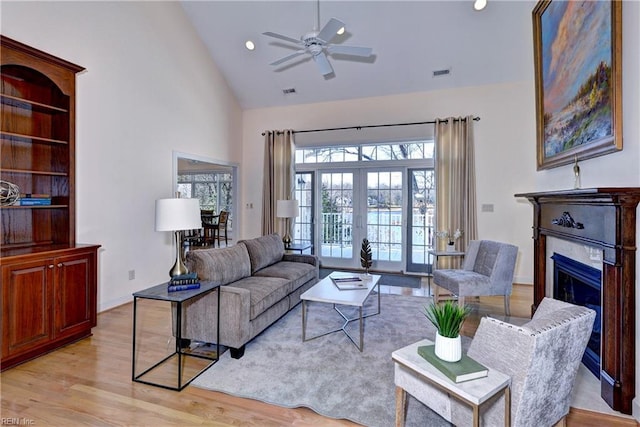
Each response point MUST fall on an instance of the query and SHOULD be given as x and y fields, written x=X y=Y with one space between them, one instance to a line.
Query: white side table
x=413 y=373
x=436 y=256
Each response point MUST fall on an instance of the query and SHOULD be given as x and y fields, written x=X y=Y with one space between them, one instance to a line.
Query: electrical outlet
x=132 y=274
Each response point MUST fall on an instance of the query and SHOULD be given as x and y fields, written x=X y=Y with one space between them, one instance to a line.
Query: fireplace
x=580 y=284
x=603 y=219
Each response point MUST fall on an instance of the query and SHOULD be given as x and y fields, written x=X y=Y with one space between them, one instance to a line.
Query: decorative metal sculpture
x=9 y=193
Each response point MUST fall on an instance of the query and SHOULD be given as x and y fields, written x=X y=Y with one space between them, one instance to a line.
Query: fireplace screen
x=580 y=284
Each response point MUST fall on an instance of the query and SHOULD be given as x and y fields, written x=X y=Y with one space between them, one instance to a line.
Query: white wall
x=150 y=88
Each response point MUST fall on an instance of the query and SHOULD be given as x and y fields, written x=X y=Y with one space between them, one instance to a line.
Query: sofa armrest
x=306 y=258
x=199 y=318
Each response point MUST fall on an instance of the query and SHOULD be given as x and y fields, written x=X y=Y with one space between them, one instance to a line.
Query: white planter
x=451 y=248
x=448 y=349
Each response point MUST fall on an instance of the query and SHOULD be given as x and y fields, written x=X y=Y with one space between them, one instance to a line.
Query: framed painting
x=577 y=55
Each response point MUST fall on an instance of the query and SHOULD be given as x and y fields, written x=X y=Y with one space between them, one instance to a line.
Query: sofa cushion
x=264 y=292
x=222 y=265
x=264 y=251
x=297 y=273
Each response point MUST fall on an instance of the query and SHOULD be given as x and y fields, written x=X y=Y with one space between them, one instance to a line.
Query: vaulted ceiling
x=410 y=40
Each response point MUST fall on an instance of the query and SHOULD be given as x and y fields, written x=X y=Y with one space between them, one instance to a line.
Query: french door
x=352 y=204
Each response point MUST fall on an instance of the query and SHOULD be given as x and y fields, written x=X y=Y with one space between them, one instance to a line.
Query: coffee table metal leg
x=304 y=320
x=361 y=330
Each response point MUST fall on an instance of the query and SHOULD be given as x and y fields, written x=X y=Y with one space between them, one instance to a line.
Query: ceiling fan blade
x=281 y=37
x=323 y=63
x=288 y=57
x=350 y=50
x=330 y=29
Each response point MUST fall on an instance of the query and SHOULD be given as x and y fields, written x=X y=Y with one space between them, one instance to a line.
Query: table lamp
x=287 y=209
x=177 y=215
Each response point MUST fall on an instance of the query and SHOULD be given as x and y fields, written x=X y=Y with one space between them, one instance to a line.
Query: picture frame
x=578 y=80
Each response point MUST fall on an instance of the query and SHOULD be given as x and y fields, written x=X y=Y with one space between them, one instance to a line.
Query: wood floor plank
x=88 y=383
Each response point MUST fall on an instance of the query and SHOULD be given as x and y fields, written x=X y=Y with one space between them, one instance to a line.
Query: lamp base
x=287 y=241
x=178 y=268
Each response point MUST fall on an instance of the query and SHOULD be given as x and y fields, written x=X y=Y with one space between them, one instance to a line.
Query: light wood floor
x=89 y=383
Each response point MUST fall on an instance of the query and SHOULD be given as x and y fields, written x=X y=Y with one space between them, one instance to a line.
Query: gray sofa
x=260 y=283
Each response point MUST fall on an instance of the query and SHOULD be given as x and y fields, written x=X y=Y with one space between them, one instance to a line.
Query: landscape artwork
x=577 y=80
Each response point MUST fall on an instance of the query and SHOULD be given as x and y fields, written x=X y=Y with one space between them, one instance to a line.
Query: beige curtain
x=278 y=178
x=455 y=180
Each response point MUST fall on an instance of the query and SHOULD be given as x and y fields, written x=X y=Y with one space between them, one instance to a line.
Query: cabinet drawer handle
x=51 y=266
x=59 y=264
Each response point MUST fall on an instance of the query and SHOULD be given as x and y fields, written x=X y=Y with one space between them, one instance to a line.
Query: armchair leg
x=460 y=301
x=507 y=310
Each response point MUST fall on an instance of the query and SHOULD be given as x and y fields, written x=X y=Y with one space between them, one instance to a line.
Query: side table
x=412 y=373
x=176 y=359
x=436 y=256
x=298 y=247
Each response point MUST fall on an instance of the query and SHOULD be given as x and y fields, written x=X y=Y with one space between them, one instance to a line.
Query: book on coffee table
x=348 y=282
x=465 y=369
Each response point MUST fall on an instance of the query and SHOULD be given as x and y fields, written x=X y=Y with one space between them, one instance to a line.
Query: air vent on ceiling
x=440 y=73
x=289 y=90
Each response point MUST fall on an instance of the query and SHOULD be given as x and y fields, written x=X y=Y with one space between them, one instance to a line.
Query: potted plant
x=450 y=238
x=365 y=255
x=448 y=319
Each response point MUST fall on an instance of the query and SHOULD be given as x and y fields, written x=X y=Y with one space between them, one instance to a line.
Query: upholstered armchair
x=541 y=357
x=487 y=269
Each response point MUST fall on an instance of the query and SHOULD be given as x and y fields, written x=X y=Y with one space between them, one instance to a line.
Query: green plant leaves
x=447 y=318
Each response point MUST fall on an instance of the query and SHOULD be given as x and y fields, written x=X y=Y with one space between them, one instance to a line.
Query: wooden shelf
x=34 y=172
x=32 y=138
x=56 y=206
x=25 y=104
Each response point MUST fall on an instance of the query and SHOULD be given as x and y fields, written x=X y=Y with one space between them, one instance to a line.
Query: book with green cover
x=464 y=370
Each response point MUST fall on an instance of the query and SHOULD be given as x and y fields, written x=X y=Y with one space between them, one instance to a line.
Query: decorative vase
x=448 y=349
x=451 y=247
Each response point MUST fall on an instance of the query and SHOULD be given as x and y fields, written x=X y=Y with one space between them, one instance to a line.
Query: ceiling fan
x=318 y=45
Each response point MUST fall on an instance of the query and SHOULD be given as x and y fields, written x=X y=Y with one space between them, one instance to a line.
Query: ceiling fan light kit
x=318 y=45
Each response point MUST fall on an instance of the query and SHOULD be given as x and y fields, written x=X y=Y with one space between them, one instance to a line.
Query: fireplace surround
x=602 y=218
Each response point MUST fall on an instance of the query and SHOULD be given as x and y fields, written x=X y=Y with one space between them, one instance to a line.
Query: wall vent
x=289 y=90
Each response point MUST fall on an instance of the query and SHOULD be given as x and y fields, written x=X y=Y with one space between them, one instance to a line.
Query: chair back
x=222 y=219
x=207 y=217
x=542 y=357
x=495 y=260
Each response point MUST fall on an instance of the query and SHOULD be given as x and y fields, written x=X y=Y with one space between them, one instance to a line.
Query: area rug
x=387 y=279
x=328 y=374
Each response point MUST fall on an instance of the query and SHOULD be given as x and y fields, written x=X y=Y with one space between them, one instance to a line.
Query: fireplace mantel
x=603 y=218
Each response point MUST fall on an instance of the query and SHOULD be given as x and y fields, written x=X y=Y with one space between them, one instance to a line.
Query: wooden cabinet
x=48 y=300
x=48 y=281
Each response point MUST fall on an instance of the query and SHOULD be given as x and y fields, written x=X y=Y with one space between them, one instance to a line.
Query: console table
x=176 y=359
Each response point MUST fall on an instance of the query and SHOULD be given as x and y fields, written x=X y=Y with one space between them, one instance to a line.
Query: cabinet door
x=27 y=291
x=74 y=294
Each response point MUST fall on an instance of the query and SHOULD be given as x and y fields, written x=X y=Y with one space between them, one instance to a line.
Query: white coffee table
x=326 y=292
x=411 y=370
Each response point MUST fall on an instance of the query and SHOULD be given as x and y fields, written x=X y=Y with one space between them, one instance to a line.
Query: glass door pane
x=336 y=218
x=384 y=215
x=421 y=217
x=303 y=229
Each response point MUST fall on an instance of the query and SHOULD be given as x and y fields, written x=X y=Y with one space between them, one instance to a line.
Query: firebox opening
x=581 y=284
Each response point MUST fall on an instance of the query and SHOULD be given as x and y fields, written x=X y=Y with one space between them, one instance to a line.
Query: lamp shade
x=287 y=209
x=177 y=214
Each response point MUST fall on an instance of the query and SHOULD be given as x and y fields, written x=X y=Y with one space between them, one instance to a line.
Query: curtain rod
x=431 y=122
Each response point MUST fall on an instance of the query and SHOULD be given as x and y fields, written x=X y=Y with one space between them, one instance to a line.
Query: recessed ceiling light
x=479 y=4
x=340 y=31
x=249 y=45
